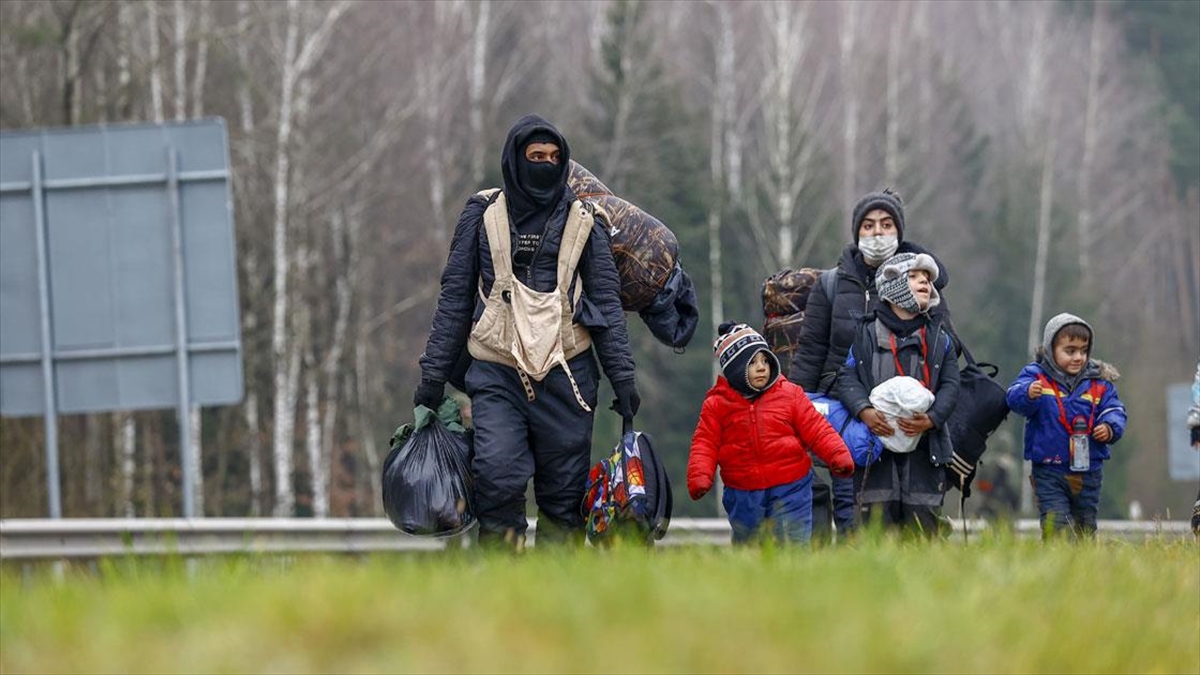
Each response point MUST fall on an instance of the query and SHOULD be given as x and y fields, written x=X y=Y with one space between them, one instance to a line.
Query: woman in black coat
x=830 y=323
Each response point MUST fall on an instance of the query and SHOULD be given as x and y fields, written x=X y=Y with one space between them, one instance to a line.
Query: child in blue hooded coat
x=1064 y=392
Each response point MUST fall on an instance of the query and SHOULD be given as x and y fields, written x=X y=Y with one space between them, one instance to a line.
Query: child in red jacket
x=758 y=428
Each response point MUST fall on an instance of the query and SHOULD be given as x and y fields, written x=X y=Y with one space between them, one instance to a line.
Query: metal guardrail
x=32 y=539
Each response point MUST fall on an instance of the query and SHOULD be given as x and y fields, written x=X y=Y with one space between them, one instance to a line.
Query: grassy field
x=992 y=606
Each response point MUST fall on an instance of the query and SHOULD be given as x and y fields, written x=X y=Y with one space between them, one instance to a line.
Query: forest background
x=1048 y=153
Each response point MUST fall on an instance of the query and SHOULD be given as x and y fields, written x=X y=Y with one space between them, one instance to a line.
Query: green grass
x=991 y=606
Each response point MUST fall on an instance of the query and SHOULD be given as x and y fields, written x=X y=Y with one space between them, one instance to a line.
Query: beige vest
x=527 y=330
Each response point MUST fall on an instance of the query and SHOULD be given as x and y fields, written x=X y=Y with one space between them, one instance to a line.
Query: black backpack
x=982 y=408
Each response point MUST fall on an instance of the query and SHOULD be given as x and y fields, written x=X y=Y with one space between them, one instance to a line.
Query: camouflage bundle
x=784 y=298
x=644 y=249
x=653 y=283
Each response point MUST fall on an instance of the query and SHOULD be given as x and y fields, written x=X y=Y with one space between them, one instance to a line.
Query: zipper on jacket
x=757 y=442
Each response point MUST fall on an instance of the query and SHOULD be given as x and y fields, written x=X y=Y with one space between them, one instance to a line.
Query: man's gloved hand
x=628 y=401
x=429 y=394
x=842 y=465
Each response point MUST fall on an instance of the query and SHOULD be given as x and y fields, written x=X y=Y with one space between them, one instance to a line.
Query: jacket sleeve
x=1018 y=393
x=948 y=385
x=602 y=285
x=853 y=392
x=814 y=340
x=702 y=459
x=1111 y=411
x=456 y=303
x=815 y=431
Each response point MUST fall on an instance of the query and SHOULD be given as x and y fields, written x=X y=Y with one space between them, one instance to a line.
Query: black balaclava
x=533 y=189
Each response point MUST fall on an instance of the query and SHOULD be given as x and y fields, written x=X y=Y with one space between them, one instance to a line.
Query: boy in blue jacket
x=1070 y=403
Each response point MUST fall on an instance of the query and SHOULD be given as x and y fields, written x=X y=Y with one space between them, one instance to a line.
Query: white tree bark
x=850 y=102
x=254 y=451
x=892 y=126
x=478 y=79
x=245 y=100
x=72 y=74
x=197 y=464
x=312 y=442
x=156 y=105
x=283 y=421
x=205 y=21
x=366 y=433
x=181 y=25
x=1084 y=229
x=331 y=367
x=125 y=432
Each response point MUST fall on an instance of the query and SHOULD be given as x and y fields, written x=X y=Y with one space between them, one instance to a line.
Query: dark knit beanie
x=889 y=201
x=735 y=346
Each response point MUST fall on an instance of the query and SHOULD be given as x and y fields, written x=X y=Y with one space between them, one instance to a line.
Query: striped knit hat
x=891 y=280
x=735 y=346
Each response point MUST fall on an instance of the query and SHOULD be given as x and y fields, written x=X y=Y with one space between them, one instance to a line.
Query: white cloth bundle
x=901 y=396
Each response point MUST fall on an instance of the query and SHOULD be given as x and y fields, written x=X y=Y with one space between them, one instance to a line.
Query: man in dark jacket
x=877 y=231
x=526 y=426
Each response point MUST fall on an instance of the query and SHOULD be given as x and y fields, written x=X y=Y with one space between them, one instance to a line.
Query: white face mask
x=875 y=250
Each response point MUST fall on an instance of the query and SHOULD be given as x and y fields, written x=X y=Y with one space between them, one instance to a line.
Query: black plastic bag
x=428 y=488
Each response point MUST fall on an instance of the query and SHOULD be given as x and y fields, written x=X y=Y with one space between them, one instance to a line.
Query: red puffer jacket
x=759 y=444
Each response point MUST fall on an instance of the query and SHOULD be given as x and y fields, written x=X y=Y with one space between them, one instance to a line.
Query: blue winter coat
x=864 y=446
x=1047 y=441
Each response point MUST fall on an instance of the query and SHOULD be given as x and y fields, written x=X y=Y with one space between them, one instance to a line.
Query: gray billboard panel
x=111 y=204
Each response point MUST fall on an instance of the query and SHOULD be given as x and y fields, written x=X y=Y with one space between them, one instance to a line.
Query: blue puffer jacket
x=864 y=446
x=1047 y=441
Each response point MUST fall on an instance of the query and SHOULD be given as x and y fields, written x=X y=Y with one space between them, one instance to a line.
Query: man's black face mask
x=542 y=180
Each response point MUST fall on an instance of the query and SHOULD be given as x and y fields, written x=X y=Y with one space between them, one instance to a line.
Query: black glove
x=429 y=394
x=1195 y=435
x=627 y=401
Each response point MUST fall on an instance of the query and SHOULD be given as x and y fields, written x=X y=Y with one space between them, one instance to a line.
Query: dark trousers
x=1067 y=501
x=833 y=504
x=548 y=439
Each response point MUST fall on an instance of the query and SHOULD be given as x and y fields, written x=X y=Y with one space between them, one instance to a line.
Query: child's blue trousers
x=784 y=512
x=1067 y=501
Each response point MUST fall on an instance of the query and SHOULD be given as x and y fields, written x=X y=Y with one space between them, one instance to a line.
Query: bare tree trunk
x=723 y=105
x=93 y=451
x=254 y=450
x=312 y=440
x=205 y=18
x=181 y=22
x=330 y=368
x=125 y=48
x=925 y=85
x=156 y=106
x=479 y=48
x=125 y=438
x=282 y=444
x=849 y=102
x=245 y=101
x=1089 y=144
x=197 y=464
x=892 y=131
x=1045 y=202
x=366 y=433
x=72 y=96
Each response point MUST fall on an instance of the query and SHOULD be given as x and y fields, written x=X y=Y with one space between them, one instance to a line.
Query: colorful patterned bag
x=628 y=494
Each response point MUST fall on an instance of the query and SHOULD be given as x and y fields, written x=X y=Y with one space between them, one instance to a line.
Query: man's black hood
x=525 y=200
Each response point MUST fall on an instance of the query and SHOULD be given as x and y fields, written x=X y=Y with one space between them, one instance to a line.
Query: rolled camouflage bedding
x=782 y=333
x=644 y=248
x=784 y=298
x=786 y=291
